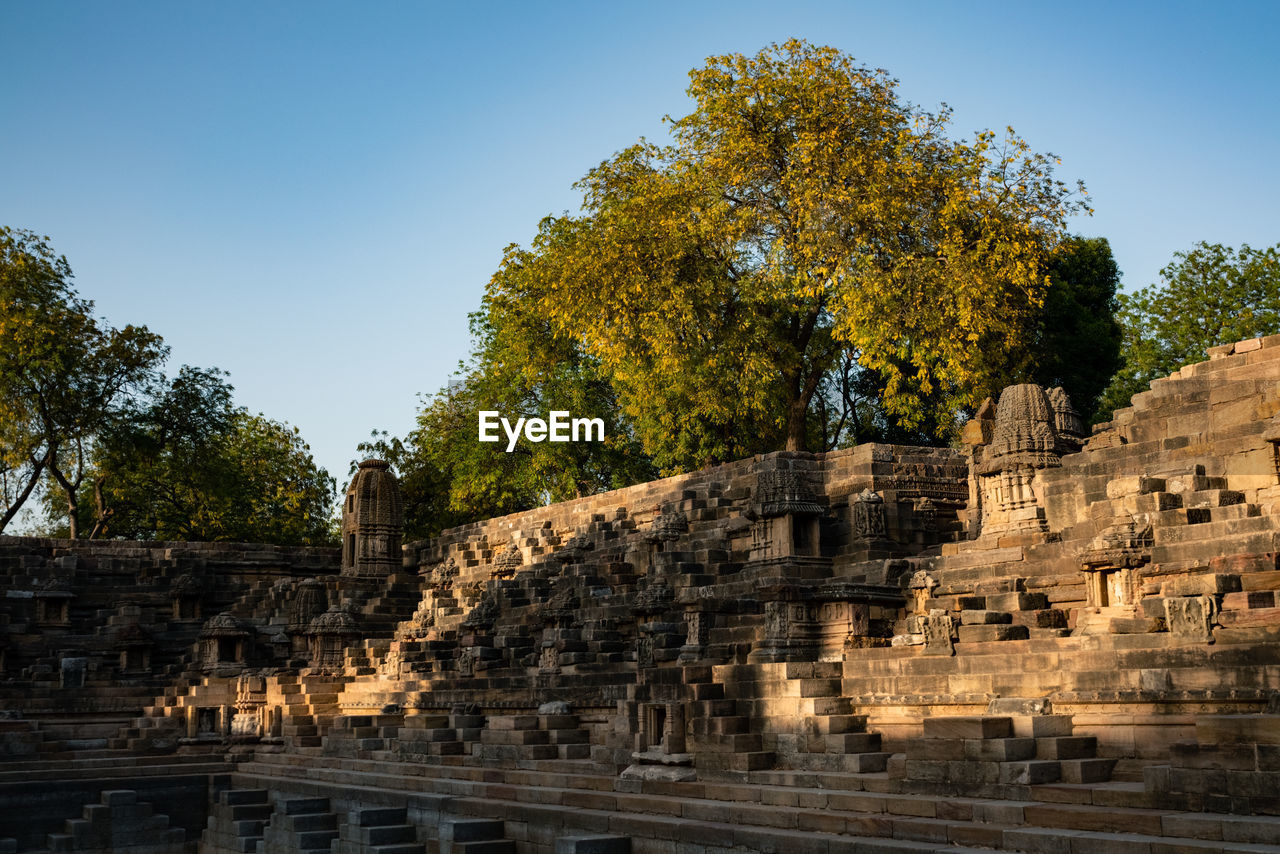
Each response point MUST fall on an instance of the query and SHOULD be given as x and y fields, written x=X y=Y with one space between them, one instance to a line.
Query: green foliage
x=811 y=263
x=83 y=404
x=64 y=375
x=804 y=214
x=519 y=369
x=1209 y=296
x=1077 y=338
x=190 y=466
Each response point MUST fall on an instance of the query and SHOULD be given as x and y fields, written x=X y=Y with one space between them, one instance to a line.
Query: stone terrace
x=1050 y=640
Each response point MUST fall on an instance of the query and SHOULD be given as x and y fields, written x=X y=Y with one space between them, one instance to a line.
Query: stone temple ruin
x=1049 y=640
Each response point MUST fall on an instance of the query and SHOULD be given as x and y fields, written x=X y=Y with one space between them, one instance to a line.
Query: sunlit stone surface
x=1047 y=640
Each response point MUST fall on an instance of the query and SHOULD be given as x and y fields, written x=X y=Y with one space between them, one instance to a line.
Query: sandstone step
x=592 y=844
x=1226 y=529
x=825 y=793
x=984 y=726
x=486 y=846
x=1066 y=747
x=687 y=820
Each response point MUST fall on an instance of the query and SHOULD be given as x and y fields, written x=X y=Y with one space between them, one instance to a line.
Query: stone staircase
x=380 y=830
x=109 y=764
x=979 y=754
x=55 y=739
x=508 y=739
x=311 y=705
x=120 y=822
x=438 y=738
x=392 y=605
x=784 y=810
x=1231 y=765
x=301 y=826
x=475 y=836
x=796 y=717
x=236 y=821
x=362 y=735
x=723 y=740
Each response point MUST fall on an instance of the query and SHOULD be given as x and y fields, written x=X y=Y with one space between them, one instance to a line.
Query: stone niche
x=1029 y=432
x=819 y=624
x=1113 y=563
x=185 y=596
x=372 y=522
x=789 y=508
x=53 y=603
x=224 y=643
x=331 y=633
x=134 y=647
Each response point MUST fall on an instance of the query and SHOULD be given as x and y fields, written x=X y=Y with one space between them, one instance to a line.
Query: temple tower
x=1031 y=430
x=372 y=522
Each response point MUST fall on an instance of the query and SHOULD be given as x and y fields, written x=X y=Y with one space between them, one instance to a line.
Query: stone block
x=1218 y=757
x=1086 y=770
x=1134 y=485
x=1136 y=625
x=992 y=633
x=1046 y=618
x=1016 y=601
x=936 y=748
x=1066 y=747
x=968 y=727
x=981 y=618
x=1190 y=618
x=929 y=770
x=1207 y=584
x=1030 y=773
x=999 y=749
x=597 y=844
x=513 y=722
x=853 y=742
x=1253 y=830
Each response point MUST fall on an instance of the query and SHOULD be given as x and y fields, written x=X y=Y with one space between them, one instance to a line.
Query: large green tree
x=189 y=465
x=804 y=213
x=1210 y=295
x=65 y=376
x=1076 y=338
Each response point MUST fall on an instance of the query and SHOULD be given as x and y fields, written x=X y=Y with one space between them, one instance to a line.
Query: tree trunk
x=73 y=512
x=38 y=467
x=101 y=513
x=797 y=439
x=798 y=410
x=73 y=506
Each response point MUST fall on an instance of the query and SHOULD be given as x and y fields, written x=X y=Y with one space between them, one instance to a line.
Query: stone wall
x=102 y=626
x=1045 y=605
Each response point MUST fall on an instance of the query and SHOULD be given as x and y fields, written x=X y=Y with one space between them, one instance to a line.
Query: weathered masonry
x=1053 y=639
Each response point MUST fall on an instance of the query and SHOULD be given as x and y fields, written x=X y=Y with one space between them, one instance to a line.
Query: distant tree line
x=106 y=445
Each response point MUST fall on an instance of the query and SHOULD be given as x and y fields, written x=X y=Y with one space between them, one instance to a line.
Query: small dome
x=510 y=560
x=223 y=626
x=1068 y=422
x=309 y=601
x=1025 y=431
x=335 y=621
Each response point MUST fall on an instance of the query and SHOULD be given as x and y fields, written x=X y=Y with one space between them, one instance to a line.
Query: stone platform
x=1052 y=639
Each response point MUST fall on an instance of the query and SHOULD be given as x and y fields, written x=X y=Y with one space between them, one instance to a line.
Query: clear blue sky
x=312 y=195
